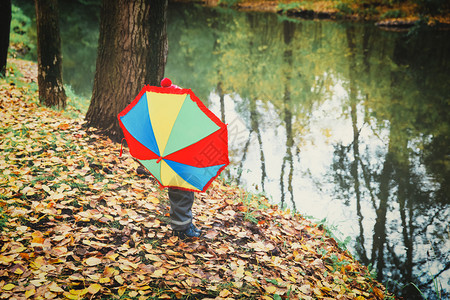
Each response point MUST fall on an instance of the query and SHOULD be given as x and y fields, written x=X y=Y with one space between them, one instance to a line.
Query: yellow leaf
x=94 y=288
x=55 y=288
x=119 y=279
x=317 y=291
x=18 y=249
x=109 y=271
x=46 y=188
x=158 y=273
x=171 y=252
x=239 y=273
x=71 y=296
x=93 y=261
x=125 y=268
x=356 y=291
x=79 y=293
x=133 y=294
x=112 y=256
x=104 y=280
x=8 y=287
x=152 y=257
x=154 y=200
x=271 y=289
x=6 y=259
x=76 y=277
x=325 y=288
x=121 y=291
x=224 y=293
x=30 y=293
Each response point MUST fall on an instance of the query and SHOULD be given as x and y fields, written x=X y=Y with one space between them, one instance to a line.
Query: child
x=181 y=201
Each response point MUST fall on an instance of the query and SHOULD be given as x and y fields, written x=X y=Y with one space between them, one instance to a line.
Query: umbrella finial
x=166 y=82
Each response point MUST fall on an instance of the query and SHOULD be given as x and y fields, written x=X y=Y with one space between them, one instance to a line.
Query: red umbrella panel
x=176 y=137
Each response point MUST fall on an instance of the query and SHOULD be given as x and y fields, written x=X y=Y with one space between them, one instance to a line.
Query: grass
x=3 y=218
x=76 y=105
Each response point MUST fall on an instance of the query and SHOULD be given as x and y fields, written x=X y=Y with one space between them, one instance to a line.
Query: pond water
x=339 y=121
x=343 y=122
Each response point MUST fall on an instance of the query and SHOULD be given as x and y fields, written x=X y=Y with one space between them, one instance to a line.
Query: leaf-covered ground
x=78 y=222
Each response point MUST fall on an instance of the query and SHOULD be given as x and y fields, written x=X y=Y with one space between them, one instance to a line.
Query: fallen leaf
x=8 y=287
x=271 y=289
x=158 y=273
x=30 y=292
x=93 y=261
x=121 y=291
x=152 y=257
x=211 y=234
x=55 y=288
x=119 y=279
x=6 y=259
x=224 y=293
x=64 y=126
x=154 y=200
x=94 y=288
x=133 y=294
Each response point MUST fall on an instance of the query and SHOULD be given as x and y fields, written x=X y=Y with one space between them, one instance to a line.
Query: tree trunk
x=51 y=89
x=132 y=52
x=5 y=24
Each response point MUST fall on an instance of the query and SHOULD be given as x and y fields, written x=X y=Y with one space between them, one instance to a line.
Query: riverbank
x=76 y=221
x=391 y=15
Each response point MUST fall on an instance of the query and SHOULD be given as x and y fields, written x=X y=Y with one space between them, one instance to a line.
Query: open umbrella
x=175 y=137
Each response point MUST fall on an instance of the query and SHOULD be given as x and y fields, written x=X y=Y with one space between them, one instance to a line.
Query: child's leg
x=180 y=209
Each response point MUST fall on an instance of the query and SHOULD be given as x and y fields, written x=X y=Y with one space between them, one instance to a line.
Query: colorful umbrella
x=175 y=137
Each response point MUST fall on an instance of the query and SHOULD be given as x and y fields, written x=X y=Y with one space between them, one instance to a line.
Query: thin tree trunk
x=132 y=52
x=5 y=25
x=288 y=36
x=379 y=236
x=356 y=156
x=51 y=89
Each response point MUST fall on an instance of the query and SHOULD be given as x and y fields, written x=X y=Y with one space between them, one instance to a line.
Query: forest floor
x=76 y=222
x=393 y=15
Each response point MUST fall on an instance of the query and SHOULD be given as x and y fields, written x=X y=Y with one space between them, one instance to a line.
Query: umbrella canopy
x=175 y=137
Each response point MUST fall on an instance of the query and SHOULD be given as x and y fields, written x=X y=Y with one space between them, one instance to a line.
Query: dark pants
x=180 y=208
